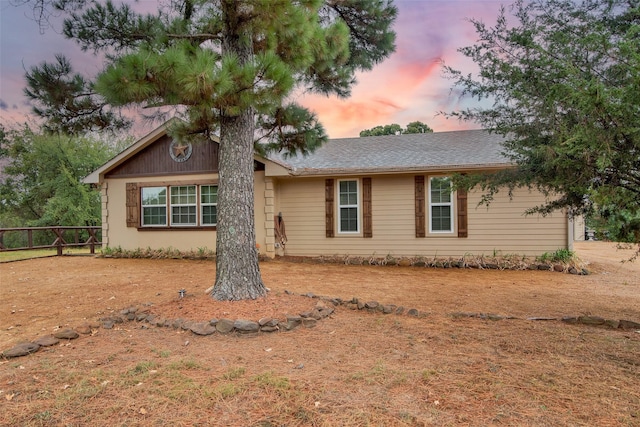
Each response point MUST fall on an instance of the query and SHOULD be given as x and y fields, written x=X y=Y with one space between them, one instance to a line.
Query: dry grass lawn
x=353 y=369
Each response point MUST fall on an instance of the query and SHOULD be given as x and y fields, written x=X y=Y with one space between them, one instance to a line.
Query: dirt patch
x=199 y=307
x=354 y=368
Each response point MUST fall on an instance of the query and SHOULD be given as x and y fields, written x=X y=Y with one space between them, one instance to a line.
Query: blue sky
x=408 y=86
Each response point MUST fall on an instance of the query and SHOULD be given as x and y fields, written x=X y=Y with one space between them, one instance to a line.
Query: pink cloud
x=410 y=84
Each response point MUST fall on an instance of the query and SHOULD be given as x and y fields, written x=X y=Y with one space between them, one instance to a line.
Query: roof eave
x=396 y=170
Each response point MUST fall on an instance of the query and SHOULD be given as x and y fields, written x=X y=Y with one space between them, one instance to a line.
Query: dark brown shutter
x=420 y=207
x=462 y=213
x=329 y=195
x=367 y=229
x=133 y=212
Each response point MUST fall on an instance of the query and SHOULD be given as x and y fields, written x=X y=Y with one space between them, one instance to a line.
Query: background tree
x=396 y=129
x=67 y=101
x=562 y=84
x=41 y=182
x=392 y=129
x=227 y=65
x=417 y=127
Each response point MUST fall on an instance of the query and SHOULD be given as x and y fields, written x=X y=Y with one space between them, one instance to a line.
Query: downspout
x=570 y=232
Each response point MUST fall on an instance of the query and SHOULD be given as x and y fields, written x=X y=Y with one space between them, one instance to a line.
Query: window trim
x=143 y=206
x=436 y=204
x=357 y=206
x=201 y=205
x=168 y=225
x=179 y=205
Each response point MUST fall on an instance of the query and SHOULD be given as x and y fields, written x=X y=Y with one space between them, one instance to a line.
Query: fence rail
x=22 y=238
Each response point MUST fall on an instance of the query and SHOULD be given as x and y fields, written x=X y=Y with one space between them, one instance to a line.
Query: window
x=440 y=205
x=209 y=204
x=348 y=208
x=183 y=205
x=154 y=206
x=175 y=206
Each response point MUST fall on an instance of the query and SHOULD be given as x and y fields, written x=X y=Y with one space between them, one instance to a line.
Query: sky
x=409 y=85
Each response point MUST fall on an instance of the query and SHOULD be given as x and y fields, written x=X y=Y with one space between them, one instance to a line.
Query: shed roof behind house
x=427 y=151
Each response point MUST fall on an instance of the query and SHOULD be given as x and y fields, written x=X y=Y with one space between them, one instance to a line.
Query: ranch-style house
x=373 y=196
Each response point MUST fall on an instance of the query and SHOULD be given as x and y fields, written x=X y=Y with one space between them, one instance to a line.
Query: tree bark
x=237 y=268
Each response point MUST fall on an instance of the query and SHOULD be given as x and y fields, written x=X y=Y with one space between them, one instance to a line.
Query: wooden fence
x=25 y=238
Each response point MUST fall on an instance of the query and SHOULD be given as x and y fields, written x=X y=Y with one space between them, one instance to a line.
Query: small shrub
x=560 y=255
x=234 y=373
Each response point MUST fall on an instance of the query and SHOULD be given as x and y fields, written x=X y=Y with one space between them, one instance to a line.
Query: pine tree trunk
x=237 y=269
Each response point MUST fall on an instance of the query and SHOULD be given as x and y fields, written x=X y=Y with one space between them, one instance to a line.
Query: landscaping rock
x=613 y=324
x=186 y=325
x=388 y=308
x=268 y=322
x=84 y=329
x=324 y=310
x=460 y=314
x=66 y=334
x=558 y=268
x=269 y=328
x=47 y=341
x=570 y=320
x=413 y=312
x=628 y=324
x=202 y=328
x=128 y=310
x=224 y=326
x=21 y=349
x=293 y=322
x=246 y=326
x=591 y=320
x=107 y=324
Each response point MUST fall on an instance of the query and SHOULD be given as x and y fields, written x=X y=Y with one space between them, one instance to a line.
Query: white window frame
x=182 y=205
x=433 y=204
x=143 y=206
x=168 y=206
x=202 y=205
x=347 y=206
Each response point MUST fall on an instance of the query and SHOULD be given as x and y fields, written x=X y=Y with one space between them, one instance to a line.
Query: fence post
x=92 y=238
x=59 y=241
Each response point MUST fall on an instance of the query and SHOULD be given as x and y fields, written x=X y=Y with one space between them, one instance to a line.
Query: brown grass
x=353 y=369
